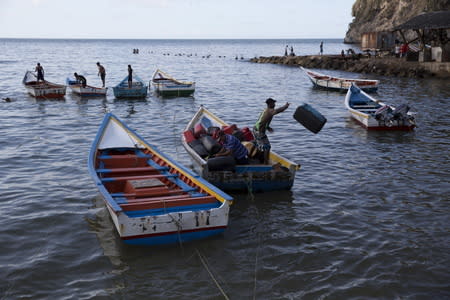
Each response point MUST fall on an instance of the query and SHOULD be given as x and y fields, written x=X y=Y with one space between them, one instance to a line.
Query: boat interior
x=143 y=184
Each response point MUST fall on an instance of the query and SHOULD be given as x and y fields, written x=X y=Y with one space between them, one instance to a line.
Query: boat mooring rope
x=202 y=259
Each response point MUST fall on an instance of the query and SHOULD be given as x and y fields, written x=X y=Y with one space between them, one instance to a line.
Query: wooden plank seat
x=138 y=177
x=129 y=170
x=164 y=198
x=157 y=204
x=123 y=160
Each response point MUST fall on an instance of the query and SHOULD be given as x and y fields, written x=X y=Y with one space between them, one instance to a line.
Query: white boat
x=151 y=198
x=166 y=85
x=86 y=91
x=340 y=84
x=278 y=174
x=373 y=114
x=43 y=89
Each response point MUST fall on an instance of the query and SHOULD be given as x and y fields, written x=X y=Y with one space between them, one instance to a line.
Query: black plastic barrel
x=310 y=118
x=210 y=144
x=221 y=163
x=198 y=147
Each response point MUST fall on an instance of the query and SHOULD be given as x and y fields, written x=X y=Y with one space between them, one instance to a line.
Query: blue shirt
x=234 y=144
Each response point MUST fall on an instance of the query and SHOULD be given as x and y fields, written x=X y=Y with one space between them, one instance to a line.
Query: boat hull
x=166 y=85
x=278 y=175
x=136 y=93
x=88 y=91
x=46 y=90
x=152 y=200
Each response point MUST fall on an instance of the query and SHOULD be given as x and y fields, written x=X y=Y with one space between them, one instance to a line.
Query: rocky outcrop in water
x=384 y=15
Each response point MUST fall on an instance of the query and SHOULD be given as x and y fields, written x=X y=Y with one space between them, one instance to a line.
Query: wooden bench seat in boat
x=123 y=160
x=129 y=170
x=138 y=177
x=156 y=204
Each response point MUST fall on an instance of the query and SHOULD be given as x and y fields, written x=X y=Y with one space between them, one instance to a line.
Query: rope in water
x=210 y=274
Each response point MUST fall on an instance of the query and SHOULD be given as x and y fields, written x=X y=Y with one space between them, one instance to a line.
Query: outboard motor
x=385 y=114
x=401 y=114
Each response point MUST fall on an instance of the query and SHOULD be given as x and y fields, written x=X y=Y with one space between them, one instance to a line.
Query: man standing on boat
x=40 y=72
x=101 y=73
x=263 y=124
x=130 y=77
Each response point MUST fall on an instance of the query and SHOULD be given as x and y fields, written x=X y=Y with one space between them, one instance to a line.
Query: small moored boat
x=376 y=115
x=340 y=84
x=43 y=89
x=151 y=198
x=138 y=88
x=279 y=174
x=166 y=85
x=87 y=91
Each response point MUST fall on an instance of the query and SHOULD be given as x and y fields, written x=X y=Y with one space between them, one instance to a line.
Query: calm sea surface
x=368 y=216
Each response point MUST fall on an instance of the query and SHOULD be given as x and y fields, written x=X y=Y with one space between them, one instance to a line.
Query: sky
x=175 y=19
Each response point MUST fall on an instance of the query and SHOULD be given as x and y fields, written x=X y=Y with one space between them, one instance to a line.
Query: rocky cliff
x=383 y=15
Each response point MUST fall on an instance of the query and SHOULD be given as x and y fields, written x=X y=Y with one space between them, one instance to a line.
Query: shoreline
x=387 y=66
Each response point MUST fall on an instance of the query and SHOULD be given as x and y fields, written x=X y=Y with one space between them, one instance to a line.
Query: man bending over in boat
x=262 y=141
x=80 y=79
x=231 y=146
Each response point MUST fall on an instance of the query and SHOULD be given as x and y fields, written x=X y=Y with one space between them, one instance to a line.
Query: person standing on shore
x=263 y=124
x=130 y=76
x=321 y=48
x=286 y=50
x=101 y=73
x=40 y=72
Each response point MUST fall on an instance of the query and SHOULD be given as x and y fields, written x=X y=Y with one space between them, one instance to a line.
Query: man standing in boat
x=130 y=77
x=40 y=72
x=101 y=73
x=263 y=124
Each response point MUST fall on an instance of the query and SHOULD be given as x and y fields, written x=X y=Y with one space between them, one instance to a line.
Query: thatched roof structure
x=431 y=20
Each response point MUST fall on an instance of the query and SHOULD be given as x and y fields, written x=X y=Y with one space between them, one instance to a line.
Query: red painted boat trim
x=169 y=233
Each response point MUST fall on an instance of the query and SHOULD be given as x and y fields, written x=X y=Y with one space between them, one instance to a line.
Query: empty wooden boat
x=151 y=198
x=339 y=84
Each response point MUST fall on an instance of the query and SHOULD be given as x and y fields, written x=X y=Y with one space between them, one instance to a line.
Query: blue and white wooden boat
x=278 y=174
x=138 y=88
x=151 y=198
x=86 y=91
x=373 y=114
x=339 y=84
x=166 y=85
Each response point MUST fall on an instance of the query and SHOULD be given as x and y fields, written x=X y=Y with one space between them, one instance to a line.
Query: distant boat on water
x=166 y=85
x=138 y=88
x=339 y=84
x=87 y=91
x=43 y=89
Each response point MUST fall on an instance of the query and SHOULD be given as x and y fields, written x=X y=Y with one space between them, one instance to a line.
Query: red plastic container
x=248 y=134
x=189 y=136
x=199 y=130
x=229 y=129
